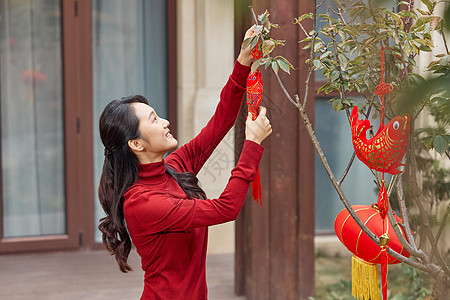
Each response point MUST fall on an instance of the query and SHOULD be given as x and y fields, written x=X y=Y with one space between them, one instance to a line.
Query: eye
x=154 y=119
x=396 y=125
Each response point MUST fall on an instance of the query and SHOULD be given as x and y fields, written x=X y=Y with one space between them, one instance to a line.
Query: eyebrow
x=151 y=113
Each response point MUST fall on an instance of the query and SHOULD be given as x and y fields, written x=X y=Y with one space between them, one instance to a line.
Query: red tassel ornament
x=254 y=97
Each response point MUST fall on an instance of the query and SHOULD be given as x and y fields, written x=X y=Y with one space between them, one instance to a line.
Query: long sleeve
x=192 y=156
x=156 y=211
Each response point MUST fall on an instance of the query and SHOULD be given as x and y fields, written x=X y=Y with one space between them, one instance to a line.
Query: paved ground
x=93 y=275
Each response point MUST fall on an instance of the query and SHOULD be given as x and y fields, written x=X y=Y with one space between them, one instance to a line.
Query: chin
x=173 y=144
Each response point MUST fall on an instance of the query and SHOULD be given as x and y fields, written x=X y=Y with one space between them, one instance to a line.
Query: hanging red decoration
x=367 y=254
x=254 y=92
x=254 y=97
x=382 y=153
x=386 y=149
x=356 y=241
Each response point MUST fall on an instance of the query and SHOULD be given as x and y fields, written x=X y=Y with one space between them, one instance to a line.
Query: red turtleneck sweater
x=168 y=229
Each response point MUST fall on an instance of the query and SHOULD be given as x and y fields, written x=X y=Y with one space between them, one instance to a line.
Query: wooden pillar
x=275 y=242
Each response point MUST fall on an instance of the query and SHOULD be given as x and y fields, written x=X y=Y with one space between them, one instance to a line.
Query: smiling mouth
x=168 y=134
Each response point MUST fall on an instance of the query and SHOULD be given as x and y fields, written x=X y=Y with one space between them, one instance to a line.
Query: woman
x=165 y=211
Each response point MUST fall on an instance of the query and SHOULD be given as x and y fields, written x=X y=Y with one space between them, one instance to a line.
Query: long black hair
x=119 y=124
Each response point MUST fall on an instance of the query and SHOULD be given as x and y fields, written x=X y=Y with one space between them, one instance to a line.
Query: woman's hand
x=258 y=130
x=245 y=56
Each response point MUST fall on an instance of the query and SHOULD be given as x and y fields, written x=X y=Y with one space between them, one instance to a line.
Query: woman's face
x=155 y=134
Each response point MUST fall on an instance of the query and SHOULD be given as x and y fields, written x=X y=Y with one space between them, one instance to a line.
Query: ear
x=136 y=145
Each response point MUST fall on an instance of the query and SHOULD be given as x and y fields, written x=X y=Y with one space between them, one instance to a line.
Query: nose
x=167 y=123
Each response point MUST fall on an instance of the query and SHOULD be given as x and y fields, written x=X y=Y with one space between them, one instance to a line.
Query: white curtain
x=32 y=145
x=129 y=57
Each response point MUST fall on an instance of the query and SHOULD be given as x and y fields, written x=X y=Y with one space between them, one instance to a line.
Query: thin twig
x=254 y=15
x=311 y=56
x=429 y=268
x=303 y=28
x=341 y=16
x=402 y=239
x=285 y=91
x=338 y=61
x=404 y=213
x=348 y=168
x=319 y=5
x=391 y=184
x=443 y=223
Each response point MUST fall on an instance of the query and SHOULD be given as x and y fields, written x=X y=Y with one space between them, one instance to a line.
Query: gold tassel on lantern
x=364 y=280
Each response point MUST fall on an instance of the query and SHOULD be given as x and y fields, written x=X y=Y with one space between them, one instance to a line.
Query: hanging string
x=382 y=88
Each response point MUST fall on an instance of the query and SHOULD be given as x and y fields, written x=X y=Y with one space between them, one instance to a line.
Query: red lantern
x=367 y=254
x=358 y=242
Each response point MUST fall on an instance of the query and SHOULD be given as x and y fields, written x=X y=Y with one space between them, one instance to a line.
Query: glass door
x=32 y=143
x=34 y=206
x=129 y=56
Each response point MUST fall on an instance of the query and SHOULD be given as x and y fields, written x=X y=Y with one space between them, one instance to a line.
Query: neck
x=148 y=158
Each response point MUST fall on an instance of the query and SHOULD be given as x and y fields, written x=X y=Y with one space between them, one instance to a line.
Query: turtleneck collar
x=153 y=173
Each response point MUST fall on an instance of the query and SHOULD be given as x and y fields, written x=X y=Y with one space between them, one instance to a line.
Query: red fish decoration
x=254 y=97
x=386 y=149
x=254 y=93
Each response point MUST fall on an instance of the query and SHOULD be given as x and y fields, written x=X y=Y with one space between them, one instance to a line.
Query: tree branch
x=403 y=212
x=311 y=55
x=423 y=213
x=444 y=220
x=349 y=165
x=324 y=161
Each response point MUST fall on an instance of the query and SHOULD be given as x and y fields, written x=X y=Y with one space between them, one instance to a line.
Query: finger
x=262 y=111
x=250 y=32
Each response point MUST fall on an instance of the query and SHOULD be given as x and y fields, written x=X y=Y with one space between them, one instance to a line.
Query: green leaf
x=275 y=67
x=334 y=75
x=325 y=54
x=284 y=65
x=398 y=20
x=263 y=18
x=246 y=42
x=304 y=16
x=316 y=63
x=324 y=16
x=343 y=60
x=255 y=41
x=337 y=105
x=420 y=22
x=267 y=47
x=429 y=5
x=423 y=12
x=255 y=65
x=440 y=144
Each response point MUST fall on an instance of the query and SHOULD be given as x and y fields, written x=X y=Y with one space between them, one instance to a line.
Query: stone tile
x=93 y=275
